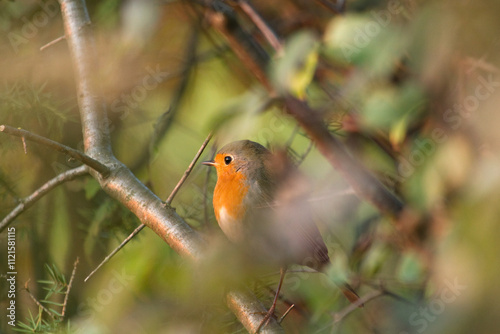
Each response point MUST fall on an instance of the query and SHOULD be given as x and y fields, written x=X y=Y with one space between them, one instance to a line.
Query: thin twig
x=94 y=164
x=205 y=190
x=27 y=202
x=220 y=22
x=69 y=286
x=286 y=313
x=339 y=316
x=306 y=153
x=123 y=243
x=168 y=202
x=57 y=40
x=189 y=169
x=37 y=302
x=268 y=33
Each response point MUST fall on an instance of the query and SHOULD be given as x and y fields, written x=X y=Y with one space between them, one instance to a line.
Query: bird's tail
x=350 y=294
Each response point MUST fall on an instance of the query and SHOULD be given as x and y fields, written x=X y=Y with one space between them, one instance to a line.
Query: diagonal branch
x=262 y=25
x=40 y=192
x=365 y=185
x=94 y=164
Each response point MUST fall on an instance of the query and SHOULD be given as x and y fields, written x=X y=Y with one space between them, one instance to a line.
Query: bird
x=259 y=202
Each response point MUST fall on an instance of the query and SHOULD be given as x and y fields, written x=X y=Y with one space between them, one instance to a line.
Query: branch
x=250 y=312
x=70 y=284
x=92 y=163
x=365 y=185
x=122 y=185
x=37 y=302
x=169 y=201
x=189 y=169
x=40 y=192
x=268 y=33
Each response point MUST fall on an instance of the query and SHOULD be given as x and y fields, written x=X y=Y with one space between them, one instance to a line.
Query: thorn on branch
x=55 y=41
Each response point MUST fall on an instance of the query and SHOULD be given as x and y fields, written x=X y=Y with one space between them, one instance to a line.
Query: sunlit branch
x=40 y=192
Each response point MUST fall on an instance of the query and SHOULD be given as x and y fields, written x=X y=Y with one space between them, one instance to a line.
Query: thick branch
x=40 y=192
x=94 y=164
x=250 y=312
x=77 y=29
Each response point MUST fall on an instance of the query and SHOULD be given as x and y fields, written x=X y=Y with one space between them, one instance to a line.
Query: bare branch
x=189 y=169
x=286 y=313
x=94 y=164
x=250 y=312
x=116 y=250
x=40 y=192
x=70 y=284
x=268 y=33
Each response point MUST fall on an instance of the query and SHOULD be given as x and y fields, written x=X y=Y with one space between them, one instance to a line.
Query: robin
x=259 y=203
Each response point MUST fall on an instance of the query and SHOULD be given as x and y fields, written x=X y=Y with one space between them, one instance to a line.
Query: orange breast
x=229 y=203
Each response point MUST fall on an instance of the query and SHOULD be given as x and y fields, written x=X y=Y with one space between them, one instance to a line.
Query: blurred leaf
x=294 y=71
x=411 y=268
x=375 y=259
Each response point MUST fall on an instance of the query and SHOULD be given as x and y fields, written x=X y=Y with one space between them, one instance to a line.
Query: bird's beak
x=208 y=163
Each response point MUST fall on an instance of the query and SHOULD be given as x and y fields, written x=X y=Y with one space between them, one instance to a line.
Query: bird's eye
x=228 y=159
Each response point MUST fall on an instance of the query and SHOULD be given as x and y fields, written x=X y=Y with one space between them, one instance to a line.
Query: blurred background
x=411 y=87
